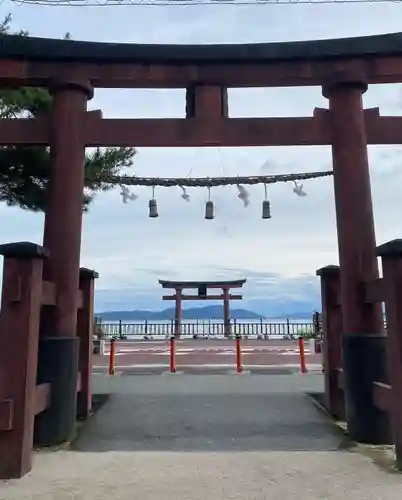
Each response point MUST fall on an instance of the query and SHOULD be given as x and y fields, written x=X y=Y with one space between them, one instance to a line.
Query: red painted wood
x=18 y=359
x=6 y=415
x=332 y=334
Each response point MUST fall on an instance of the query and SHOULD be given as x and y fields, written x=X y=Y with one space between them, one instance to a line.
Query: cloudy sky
x=279 y=256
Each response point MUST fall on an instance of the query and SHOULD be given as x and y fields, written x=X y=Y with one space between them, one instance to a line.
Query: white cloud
x=278 y=256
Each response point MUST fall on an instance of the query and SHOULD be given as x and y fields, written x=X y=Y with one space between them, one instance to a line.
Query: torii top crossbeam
x=208 y=284
x=202 y=294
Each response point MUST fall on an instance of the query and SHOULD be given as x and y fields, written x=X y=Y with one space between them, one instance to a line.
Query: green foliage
x=25 y=171
x=307 y=332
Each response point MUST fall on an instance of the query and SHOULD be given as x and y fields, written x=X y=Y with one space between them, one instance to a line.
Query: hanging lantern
x=266 y=206
x=266 y=209
x=209 y=207
x=209 y=210
x=153 y=206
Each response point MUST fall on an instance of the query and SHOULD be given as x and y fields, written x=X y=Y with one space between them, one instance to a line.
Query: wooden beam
x=35 y=132
x=170 y=74
x=231 y=132
x=192 y=132
x=42 y=398
x=197 y=297
x=195 y=284
x=14 y=132
x=6 y=414
x=176 y=132
x=340 y=378
x=384 y=130
x=382 y=396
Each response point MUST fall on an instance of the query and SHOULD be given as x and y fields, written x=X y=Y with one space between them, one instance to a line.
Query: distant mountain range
x=206 y=312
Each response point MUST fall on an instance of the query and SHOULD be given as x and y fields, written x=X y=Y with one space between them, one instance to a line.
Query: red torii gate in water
x=202 y=287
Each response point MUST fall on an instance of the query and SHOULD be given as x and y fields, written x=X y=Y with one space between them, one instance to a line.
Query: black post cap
x=328 y=271
x=392 y=248
x=86 y=273
x=23 y=250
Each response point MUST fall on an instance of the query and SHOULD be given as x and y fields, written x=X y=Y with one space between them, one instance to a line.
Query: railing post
x=330 y=278
x=19 y=334
x=85 y=332
x=391 y=254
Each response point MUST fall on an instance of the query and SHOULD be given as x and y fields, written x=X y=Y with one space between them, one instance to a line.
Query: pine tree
x=25 y=171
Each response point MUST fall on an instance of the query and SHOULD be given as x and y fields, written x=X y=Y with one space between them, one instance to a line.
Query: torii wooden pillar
x=202 y=287
x=363 y=339
x=59 y=344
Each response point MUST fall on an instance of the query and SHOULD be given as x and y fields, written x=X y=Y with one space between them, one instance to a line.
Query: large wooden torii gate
x=202 y=294
x=71 y=70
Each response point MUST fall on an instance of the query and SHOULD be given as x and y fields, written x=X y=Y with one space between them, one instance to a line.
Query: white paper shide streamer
x=127 y=195
x=183 y=183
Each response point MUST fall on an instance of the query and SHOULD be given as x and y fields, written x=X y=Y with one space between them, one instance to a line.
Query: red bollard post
x=239 y=366
x=303 y=366
x=172 y=355
x=112 y=357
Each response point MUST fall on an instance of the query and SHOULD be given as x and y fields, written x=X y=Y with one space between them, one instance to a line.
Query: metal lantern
x=209 y=210
x=209 y=206
x=266 y=205
x=153 y=208
x=266 y=209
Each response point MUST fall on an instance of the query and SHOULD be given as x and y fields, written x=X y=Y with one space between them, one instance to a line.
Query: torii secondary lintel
x=202 y=131
x=202 y=287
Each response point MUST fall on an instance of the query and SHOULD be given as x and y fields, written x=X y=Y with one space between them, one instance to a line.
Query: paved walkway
x=179 y=437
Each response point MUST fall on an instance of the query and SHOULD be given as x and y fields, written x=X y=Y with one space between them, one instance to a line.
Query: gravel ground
x=182 y=437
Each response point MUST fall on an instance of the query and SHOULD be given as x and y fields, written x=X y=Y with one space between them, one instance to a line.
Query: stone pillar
x=178 y=313
x=363 y=339
x=20 y=314
x=226 y=312
x=85 y=332
x=59 y=345
x=332 y=336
